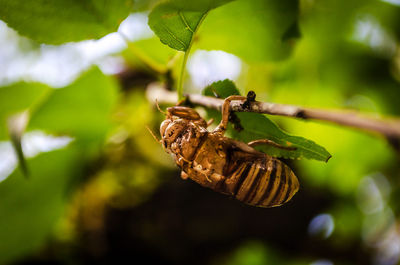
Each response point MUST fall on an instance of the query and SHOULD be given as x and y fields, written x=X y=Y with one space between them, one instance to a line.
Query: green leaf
x=221 y=89
x=16 y=98
x=30 y=208
x=175 y=22
x=199 y=5
x=175 y=27
x=257 y=126
x=256 y=30
x=81 y=109
x=61 y=21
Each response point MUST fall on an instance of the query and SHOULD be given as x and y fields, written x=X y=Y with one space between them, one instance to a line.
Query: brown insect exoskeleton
x=223 y=164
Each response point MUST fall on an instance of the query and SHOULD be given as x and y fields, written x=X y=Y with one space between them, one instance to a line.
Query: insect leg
x=221 y=128
x=186 y=113
x=180 y=102
x=210 y=122
x=192 y=170
x=269 y=142
x=183 y=112
x=210 y=175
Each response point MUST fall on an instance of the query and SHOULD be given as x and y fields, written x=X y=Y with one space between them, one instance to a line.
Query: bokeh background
x=101 y=190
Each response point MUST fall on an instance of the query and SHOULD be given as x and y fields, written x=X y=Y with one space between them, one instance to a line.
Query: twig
x=390 y=128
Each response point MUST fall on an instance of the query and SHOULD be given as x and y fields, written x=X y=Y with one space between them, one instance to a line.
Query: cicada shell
x=223 y=164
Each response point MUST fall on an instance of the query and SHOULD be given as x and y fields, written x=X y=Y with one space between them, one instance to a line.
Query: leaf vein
x=175 y=37
x=185 y=21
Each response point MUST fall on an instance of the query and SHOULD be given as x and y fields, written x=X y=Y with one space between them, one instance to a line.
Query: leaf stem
x=180 y=87
x=185 y=58
x=17 y=125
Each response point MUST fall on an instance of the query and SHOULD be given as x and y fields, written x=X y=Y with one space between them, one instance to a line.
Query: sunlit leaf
x=256 y=126
x=176 y=21
x=256 y=30
x=60 y=21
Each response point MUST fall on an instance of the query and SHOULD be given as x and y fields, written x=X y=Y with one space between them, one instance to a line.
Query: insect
x=223 y=164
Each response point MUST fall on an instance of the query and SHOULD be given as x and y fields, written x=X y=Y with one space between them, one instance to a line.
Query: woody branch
x=390 y=128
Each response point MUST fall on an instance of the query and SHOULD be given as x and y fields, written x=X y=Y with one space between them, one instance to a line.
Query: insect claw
x=271 y=143
x=180 y=159
x=184 y=175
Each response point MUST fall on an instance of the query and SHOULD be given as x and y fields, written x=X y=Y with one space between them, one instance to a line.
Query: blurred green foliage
x=82 y=109
x=61 y=21
x=265 y=29
x=30 y=208
x=17 y=98
x=113 y=193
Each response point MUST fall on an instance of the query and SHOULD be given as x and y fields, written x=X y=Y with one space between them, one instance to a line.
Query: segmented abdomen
x=264 y=183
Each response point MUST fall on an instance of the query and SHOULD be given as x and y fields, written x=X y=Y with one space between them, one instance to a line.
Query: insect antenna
x=159 y=109
x=152 y=134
